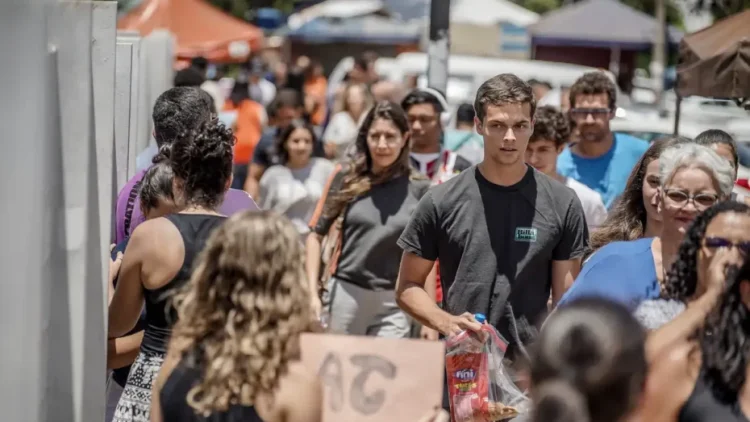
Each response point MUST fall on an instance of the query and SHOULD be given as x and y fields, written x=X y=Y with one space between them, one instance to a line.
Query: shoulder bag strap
x=130 y=206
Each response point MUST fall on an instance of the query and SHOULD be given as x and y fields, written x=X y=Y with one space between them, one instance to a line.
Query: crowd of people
x=616 y=269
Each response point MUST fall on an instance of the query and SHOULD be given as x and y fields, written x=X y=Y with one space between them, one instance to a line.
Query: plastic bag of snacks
x=480 y=388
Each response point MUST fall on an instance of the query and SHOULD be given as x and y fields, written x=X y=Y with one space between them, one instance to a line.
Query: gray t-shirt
x=370 y=257
x=295 y=192
x=496 y=244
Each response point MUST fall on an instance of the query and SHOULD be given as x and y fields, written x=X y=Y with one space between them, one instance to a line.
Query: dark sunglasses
x=700 y=200
x=720 y=242
x=583 y=112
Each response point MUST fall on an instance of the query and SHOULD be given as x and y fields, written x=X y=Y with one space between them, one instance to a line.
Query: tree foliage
x=721 y=8
x=674 y=16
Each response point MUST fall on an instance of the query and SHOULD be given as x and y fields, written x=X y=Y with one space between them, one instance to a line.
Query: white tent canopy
x=341 y=9
x=491 y=12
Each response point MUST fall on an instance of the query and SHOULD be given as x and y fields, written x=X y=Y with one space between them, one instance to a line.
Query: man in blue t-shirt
x=600 y=159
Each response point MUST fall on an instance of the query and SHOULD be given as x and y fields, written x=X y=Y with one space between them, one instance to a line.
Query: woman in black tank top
x=704 y=380
x=234 y=350
x=160 y=254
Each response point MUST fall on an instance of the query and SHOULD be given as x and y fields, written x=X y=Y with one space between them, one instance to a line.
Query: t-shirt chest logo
x=525 y=234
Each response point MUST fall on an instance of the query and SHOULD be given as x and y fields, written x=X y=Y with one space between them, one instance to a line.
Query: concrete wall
x=57 y=167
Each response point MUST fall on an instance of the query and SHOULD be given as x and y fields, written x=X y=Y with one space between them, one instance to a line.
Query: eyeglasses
x=720 y=242
x=584 y=112
x=700 y=200
x=390 y=139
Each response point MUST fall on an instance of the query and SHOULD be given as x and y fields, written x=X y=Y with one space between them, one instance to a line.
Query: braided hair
x=724 y=343
x=682 y=277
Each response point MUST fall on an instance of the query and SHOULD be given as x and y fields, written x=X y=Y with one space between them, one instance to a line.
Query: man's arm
x=419 y=242
x=412 y=297
x=252 y=185
x=563 y=275
x=567 y=256
x=258 y=165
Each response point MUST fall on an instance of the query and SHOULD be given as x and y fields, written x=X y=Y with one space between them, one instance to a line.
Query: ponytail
x=559 y=401
x=164 y=154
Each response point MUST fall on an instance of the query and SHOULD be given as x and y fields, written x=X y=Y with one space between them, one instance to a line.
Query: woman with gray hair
x=693 y=178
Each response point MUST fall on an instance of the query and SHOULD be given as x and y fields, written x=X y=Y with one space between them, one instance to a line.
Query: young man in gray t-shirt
x=505 y=234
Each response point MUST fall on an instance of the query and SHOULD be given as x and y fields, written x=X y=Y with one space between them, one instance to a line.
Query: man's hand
x=427 y=333
x=455 y=324
x=437 y=415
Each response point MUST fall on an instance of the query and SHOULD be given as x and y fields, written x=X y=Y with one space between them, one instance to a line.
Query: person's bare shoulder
x=670 y=381
x=159 y=243
x=301 y=394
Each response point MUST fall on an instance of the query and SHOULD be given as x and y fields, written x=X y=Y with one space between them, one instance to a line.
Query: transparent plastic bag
x=480 y=387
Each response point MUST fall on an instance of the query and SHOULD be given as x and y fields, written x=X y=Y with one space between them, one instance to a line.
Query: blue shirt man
x=608 y=173
x=598 y=158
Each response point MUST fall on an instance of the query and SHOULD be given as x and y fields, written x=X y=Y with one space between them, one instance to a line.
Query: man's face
x=424 y=122
x=506 y=130
x=591 y=114
x=542 y=155
x=285 y=115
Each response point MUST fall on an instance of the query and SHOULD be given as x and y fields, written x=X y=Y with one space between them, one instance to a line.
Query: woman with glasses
x=692 y=179
x=634 y=215
x=703 y=379
x=369 y=201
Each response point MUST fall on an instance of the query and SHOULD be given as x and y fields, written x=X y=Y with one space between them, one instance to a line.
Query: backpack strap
x=130 y=206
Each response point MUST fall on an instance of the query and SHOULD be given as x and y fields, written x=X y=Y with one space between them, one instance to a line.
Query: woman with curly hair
x=369 y=202
x=692 y=178
x=234 y=352
x=688 y=282
x=160 y=255
x=703 y=379
x=633 y=215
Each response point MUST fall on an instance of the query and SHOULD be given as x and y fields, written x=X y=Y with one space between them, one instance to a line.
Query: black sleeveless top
x=160 y=314
x=703 y=406
x=174 y=406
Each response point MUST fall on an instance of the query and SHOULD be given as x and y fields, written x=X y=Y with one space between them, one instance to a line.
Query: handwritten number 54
x=331 y=373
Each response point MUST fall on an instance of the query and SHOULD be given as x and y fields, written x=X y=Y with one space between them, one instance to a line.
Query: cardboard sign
x=375 y=379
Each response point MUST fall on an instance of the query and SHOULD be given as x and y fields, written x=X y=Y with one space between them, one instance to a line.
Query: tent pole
x=678 y=103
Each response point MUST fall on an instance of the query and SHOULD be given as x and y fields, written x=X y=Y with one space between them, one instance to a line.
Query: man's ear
x=477 y=124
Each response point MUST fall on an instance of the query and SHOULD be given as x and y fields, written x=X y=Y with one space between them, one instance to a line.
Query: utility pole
x=439 y=45
x=658 y=60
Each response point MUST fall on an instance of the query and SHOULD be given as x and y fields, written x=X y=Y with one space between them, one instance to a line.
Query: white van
x=482 y=68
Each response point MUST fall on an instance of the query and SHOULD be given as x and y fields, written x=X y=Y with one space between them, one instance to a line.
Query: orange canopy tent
x=200 y=29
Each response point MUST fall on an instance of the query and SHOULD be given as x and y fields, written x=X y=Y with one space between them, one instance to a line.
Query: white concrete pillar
x=30 y=254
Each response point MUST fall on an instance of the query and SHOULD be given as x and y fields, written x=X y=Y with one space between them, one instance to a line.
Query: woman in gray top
x=294 y=186
x=370 y=200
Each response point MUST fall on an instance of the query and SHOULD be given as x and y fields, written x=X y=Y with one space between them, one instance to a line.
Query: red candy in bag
x=479 y=388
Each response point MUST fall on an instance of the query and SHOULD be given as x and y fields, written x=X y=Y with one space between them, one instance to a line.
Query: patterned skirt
x=135 y=401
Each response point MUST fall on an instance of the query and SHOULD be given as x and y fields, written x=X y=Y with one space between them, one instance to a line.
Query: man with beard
x=601 y=160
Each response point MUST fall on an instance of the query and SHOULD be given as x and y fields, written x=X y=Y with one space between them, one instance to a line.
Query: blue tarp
x=371 y=29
